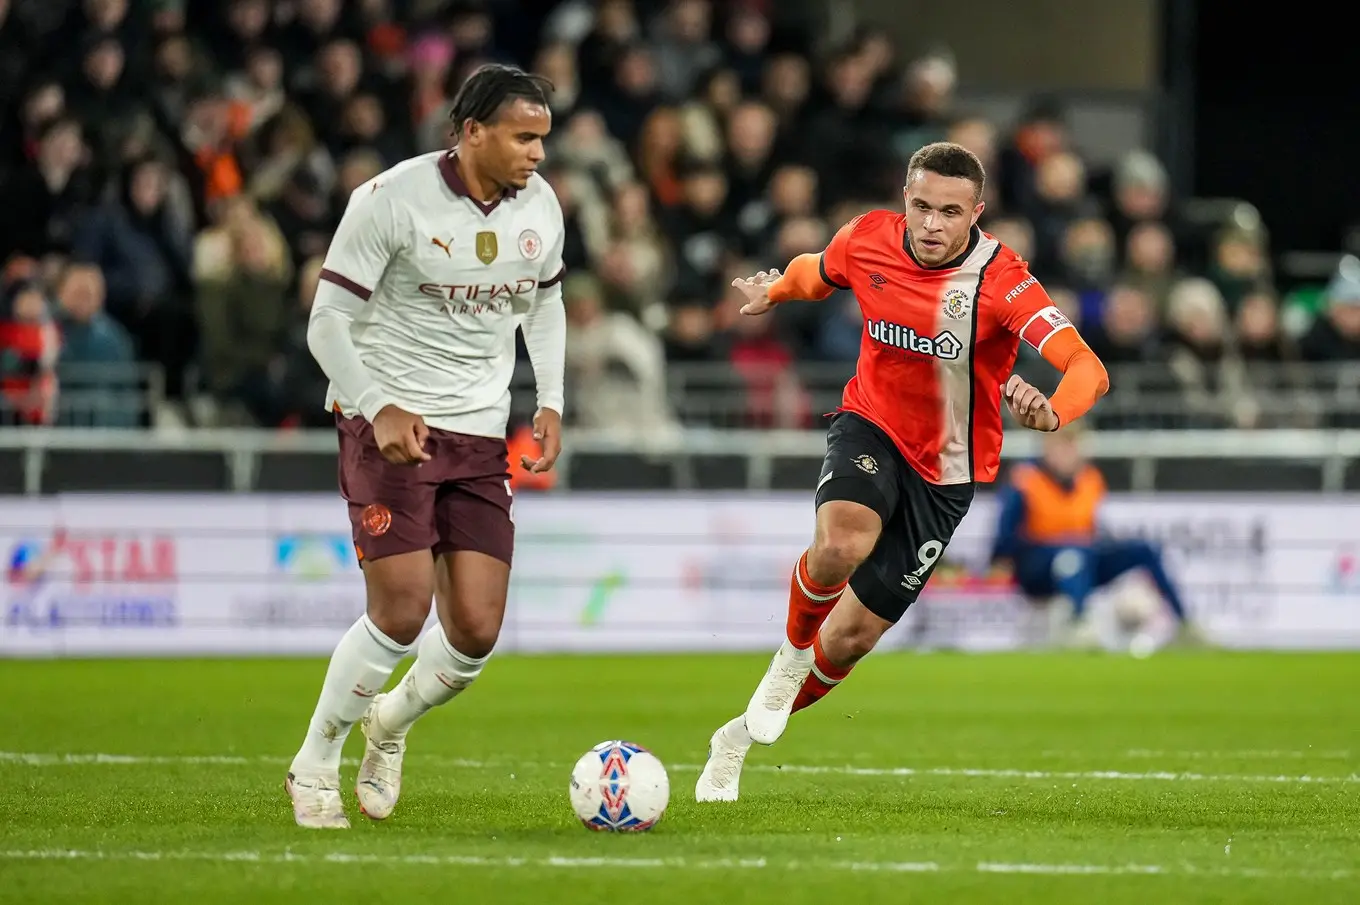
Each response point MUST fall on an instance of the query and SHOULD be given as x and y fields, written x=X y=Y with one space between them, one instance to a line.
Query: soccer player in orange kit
x=945 y=308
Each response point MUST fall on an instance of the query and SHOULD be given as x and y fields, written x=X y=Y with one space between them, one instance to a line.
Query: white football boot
x=768 y=712
x=379 y=782
x=726 y=756
x=316 y=801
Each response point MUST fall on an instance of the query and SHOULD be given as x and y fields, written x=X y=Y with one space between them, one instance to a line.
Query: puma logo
x=444 y=245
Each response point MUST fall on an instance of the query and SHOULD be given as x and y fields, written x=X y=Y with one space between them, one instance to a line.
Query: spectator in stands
x=29 y=346
x=682 y=38
x=701 y=229
x=660 y=148
x=636 y=266
x=143 y=246
x=1087 y=260
x=1239 y=264
x=631 y=95
x=689 y=335
x=1150 y=260
x=746 y=39
x=242 y=271
x=1126 y=331
x=750 y=162
x=615 y=365
x=100 y=383
x=1335 y=335
x=927 y=94
x=1041 y=132
x=846 y=140
x=1202 y=354
x=1257 y=324
x=979 y=136
x=1142 y=194
x=786 y=86
x=1016 y=231
x=297 y=385
x=557 y=63
x=1059 y=202
x=42 y=201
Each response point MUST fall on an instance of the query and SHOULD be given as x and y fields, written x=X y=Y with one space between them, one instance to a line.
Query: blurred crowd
x=171 y=174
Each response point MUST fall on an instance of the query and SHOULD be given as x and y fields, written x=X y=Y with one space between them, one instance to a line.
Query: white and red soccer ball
x=619 y=787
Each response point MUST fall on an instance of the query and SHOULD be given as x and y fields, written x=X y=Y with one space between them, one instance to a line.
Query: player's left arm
x=813 y=277
x=545 y=336
x=1027 y=311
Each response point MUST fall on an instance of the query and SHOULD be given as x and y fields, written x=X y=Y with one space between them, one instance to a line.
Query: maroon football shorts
x=459 y=500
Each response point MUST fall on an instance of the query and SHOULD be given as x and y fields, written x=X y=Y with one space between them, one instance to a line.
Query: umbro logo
x=877 y=281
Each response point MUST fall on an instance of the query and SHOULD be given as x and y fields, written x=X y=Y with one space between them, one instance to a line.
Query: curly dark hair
x=490 y=88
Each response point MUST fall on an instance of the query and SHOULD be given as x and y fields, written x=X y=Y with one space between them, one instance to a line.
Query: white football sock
x=735 y=732
x=439 y=675
x=361 y=665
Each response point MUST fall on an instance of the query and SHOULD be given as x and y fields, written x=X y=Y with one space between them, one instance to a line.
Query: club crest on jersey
x=530 y=245
x=956 y=304
x=944 y=346
x=866 y=464
x=487 y=247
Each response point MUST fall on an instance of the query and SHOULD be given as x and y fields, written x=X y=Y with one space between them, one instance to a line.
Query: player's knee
x=399 y=599
x=399 y=620
x=846 y=642
x=475 y=636
x=846 y=535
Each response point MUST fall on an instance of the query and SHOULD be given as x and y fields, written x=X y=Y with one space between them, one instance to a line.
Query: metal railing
x=104 y=394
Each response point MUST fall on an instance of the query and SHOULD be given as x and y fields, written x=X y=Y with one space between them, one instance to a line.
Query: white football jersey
x=440 y=281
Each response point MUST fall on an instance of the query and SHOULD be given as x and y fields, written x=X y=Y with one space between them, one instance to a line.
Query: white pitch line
x=32 y=759
x=561 y=862
x=1246 y=754
x=1013 y=773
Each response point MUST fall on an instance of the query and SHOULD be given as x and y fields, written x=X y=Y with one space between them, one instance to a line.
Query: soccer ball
x=1135 y=606
x=619 y=787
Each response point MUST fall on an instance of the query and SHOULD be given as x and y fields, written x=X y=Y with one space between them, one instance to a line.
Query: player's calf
x=845 y=536
x=848 y=635
x=440 y=674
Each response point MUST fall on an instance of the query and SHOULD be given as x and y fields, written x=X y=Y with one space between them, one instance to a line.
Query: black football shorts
x=864 y=466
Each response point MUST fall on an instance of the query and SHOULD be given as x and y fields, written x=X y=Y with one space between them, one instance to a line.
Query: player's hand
x=756 y=289
x=401 y=436
x=548 y=432
x=1029 y=406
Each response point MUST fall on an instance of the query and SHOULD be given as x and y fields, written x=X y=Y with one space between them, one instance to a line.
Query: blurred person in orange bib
x=1048 y=535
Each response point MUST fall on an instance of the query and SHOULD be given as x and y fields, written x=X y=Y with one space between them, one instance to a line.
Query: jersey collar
x=449 y=170
x=974 y=237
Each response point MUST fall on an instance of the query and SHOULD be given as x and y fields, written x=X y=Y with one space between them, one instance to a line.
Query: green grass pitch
x=1210 y=777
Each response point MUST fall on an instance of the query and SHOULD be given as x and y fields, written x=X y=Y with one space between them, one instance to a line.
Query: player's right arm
x=809 y=277
x=364 y=243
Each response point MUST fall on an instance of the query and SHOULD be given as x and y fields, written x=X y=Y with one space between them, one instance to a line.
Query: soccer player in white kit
x=433 y=266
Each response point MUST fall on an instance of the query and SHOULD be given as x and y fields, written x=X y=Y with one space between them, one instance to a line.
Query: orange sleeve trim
x=1084 y=378
x=803 y=280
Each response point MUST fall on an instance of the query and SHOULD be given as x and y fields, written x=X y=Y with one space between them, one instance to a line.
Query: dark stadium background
x=1240 y=126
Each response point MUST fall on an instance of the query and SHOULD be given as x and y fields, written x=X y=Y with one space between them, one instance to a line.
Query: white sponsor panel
x=183 y=575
